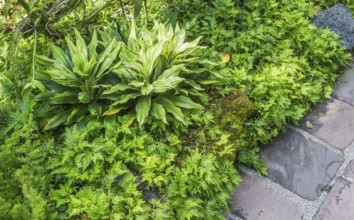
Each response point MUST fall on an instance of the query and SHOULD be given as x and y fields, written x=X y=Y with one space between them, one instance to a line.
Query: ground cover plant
x=102 y=117
x=271 y=52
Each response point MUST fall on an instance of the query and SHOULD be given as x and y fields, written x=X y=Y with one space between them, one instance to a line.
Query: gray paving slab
x=333 y=122
x=253 y=200
x=344 y=88
x=350 y=171
x=339 y=203
x=301 y=165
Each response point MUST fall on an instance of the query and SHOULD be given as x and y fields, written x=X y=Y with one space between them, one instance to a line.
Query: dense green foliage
x=158 y=73
x=99 y=120
x=278 y=58
x=154 y=71
x=328 y=3
x=77 y=78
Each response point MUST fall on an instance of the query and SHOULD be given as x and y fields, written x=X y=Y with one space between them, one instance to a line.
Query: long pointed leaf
x=116 y=88
x=58 y=119
x=92 y=46
x=65 y=98
x=163 y=85
x=77 y=114
x=142 y=109
x=158 y=112
x=171 y=108
x=137 y=7
x=184 y=102
x=173 y=71
x=60 y=56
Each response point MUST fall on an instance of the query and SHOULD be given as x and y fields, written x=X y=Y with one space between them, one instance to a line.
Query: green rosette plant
x=76 y=78
x=159 y=73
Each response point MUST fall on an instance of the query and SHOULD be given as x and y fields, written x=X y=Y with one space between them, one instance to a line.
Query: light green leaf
x=39 y=85
x=146 y=90
x=184 y=102
x=142 y=109
x=122 y=99
x=188 y=45
x=115 y=110
x=85 y=97
x=152 y=53
x=171 y=108
x=61 y=57
x=158 y=112
x=137 y=84
x=173 y=71
x=44 y=60
x=64 y=78
x=92 y=46
x=107 y=58
x=116 y=88
x=207 y=82
x=193 y=84
x=78 y=55
x=163 y=85
x=112 y=111
x=179 y=37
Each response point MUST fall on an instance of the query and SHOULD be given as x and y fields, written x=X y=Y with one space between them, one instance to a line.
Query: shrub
x=77 y=78
x=158 y=73
x=111 y=168
x=136 y=176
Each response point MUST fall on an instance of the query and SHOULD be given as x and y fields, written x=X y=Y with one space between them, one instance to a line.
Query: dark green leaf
x=137 y=7
x=58 y=119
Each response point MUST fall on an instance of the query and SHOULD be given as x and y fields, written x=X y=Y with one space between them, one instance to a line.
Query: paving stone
x=338 y=18
x=350 y=171
x=254 y=200
x=344 y=88
x=333 y=122
x=339 y=203
x=300 y=165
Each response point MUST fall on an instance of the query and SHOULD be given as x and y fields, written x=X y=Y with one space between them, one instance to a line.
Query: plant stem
x=34 y=56
x=146 y=12
x=121 y=5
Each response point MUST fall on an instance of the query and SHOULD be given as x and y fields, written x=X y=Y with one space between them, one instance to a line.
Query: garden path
x=311 y=167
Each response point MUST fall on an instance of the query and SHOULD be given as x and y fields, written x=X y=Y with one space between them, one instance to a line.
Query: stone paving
x=311 y=170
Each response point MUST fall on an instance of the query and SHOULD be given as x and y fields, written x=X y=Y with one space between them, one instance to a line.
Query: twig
x=98 y=10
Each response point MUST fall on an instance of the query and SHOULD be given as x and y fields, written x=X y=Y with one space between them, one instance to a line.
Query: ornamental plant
x=76 y=77
x=158 y=73
x=152 y=74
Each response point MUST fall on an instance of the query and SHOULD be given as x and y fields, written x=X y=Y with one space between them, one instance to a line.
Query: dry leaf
x=309 y=125
x=225 y=58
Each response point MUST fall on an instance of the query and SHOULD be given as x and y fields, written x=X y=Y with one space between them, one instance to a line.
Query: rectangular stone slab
x=301 y=165
x=254 y=200
x=333 y=122
x=344 y=88
x=339 y=203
